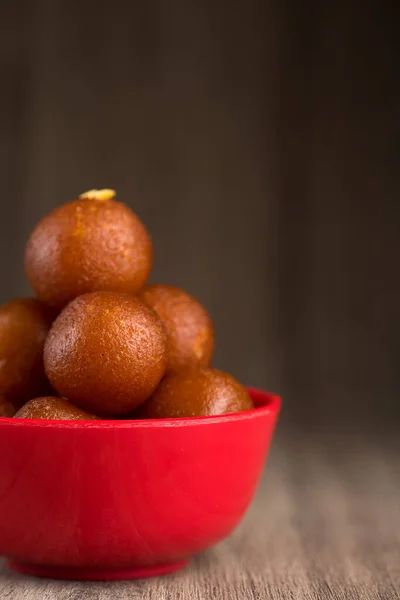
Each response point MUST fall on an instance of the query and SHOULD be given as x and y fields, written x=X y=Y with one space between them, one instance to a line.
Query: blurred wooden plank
x=259 y=145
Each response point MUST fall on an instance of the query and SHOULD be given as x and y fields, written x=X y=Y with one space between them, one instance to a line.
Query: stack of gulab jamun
x=97 y=341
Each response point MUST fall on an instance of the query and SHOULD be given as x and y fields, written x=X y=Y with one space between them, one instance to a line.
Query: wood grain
x=324 y=526
x=260 y=146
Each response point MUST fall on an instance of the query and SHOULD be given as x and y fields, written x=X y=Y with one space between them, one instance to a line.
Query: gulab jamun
x=106 y=352
x=7 y=409
x=189 y=327
x=24 y=324
x=91 y=244
x=51 y=407
x=197 y=393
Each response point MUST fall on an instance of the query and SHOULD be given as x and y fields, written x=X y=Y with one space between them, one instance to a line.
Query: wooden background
x=259 y=142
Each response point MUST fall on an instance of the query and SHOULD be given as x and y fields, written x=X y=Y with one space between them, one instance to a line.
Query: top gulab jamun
x=189 y=327
x=24 y=324
x=91 y=244
x=106 y=352
x=197 y=393
x=51 y=407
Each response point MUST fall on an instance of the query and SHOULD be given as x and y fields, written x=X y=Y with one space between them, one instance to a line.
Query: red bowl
x=101 y=500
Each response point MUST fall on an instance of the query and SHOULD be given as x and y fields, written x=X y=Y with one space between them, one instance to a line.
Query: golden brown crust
x=197 y=393
x=106 y=352
x=189 y=326
x=51 y=407
x=88 y=245
x=24 y=324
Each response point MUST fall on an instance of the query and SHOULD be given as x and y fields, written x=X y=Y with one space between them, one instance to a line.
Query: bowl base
x=84 y=574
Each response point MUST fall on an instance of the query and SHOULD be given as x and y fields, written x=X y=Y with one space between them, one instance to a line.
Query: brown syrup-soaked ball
x=91 y=244
x=197 y=393
x=24 y=324
x=189 y=327
x=7 y=409
x=106 y=352
x=51 y=407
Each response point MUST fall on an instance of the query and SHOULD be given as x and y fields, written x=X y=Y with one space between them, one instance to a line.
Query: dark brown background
x=259 y=142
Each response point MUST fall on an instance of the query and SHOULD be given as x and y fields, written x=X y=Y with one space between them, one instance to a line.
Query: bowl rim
x=267 y=403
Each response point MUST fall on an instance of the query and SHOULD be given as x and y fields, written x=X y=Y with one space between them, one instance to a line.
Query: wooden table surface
x=325 y=524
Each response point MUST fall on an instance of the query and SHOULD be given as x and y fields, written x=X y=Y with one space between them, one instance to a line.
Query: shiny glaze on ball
x=24 y=324
x=51 y=407
x=197 y=393
x=7 y=409
x=189 y=326
x=106 y=352
x=91 y=244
